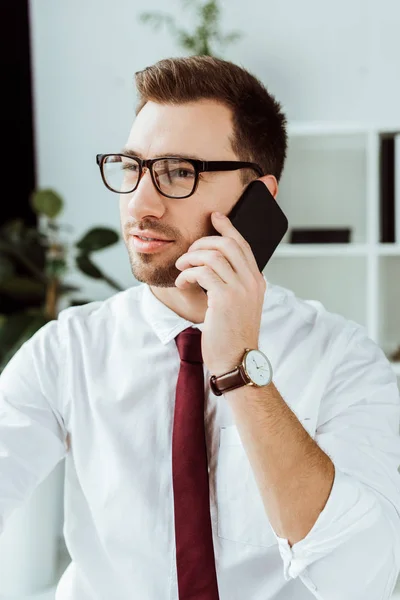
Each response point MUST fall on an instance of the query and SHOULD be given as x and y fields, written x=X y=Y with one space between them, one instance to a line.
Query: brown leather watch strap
x=228 y=381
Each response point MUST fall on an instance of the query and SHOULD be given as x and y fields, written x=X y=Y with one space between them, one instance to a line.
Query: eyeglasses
x=173 y=177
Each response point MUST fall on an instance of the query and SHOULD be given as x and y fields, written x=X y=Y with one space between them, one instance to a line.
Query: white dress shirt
x=97 y=387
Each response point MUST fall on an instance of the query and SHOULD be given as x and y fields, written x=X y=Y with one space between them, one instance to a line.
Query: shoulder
x=100 y=313
x=338 y=338
x=309 y=315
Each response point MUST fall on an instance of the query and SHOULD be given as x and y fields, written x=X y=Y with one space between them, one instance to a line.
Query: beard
x=155 y=269
x=146 y=268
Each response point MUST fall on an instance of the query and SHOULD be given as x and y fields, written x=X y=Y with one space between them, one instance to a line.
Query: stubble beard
x=157 y=271
x=146 y=269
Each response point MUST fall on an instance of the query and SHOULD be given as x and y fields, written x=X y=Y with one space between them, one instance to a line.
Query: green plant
x=33 y=261
x=206 y=34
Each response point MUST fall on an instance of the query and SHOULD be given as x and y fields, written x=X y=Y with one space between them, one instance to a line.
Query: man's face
x=199 y=130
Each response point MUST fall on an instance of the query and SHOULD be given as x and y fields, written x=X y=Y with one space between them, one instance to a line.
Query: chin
x=163 y=277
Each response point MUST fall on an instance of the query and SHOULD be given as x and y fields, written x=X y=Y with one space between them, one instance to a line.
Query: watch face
x=258 y=367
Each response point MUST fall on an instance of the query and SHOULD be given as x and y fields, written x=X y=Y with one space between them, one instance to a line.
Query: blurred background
x=68 y=94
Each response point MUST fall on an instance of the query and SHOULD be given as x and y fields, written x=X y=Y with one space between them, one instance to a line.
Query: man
x=187 y=477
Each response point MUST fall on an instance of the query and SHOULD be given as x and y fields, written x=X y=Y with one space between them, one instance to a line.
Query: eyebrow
x=134 y=153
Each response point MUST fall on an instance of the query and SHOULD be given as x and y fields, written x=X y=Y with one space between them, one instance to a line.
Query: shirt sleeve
x=353 y=550
x=32 y=433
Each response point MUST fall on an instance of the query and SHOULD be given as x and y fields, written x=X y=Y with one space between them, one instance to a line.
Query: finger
x=204 y=276
x=225 y=227
x=213 y=259
x=246 y=268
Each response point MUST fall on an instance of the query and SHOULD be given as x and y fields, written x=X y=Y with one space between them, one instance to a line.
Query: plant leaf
x=156 y=20
x=187 y=41
x=202 y=40
x=47 y=202
x=97 y=239
x=23 y=288
x=11 y=328
x=229 y=38
x=24 y=246
x=210 y=14
x=15 y=331
x=65 y=288
x=13 y=230
x=7 y=268
x=87 y=267
x=79 y=301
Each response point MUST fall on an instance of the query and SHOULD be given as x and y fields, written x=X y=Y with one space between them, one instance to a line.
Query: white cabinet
x=331 y=180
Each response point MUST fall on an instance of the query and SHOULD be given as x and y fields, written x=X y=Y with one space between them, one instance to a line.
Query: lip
x=149 y=247
x=149 y=234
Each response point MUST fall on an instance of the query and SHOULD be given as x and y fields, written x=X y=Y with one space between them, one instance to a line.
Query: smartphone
x=260 y=220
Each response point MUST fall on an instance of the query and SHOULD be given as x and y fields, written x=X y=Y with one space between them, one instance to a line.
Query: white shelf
x=293 y=250
x=299 y=250
x=332 y=179
x=388 y=249
x=334 y=128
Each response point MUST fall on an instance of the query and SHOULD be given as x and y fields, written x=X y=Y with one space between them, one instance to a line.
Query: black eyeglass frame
x=200 y=166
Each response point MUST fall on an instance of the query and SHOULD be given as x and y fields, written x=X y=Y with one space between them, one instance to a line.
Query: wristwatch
x=255 y=369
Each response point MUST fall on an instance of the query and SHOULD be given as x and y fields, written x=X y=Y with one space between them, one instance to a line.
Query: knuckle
x=246 y=244
x=230 y=243
x=216 y=256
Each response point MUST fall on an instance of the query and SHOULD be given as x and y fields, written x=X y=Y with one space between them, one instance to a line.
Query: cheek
x=189 y=220
x=123 y=209
x=203 y=227
x=226 y=191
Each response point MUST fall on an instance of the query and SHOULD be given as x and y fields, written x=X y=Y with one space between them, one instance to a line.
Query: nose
x=145 y=201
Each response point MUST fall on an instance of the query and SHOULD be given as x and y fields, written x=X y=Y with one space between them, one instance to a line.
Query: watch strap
x=229 y=381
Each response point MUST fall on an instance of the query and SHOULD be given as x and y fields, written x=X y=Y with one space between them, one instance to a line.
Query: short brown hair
x=259 y=125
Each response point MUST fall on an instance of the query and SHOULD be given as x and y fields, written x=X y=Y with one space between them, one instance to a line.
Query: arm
x=293 y=474
x=343 y=540
x=32 y=435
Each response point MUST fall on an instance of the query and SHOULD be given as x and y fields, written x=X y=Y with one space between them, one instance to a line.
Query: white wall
x=337 y=60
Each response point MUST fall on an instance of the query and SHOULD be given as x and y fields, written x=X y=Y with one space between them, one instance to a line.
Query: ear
x=271 y=183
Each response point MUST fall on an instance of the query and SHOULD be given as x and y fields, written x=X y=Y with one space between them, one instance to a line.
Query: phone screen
x=260 y=220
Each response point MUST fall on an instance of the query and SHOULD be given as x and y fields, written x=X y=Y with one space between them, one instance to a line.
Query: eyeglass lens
x=173 y=176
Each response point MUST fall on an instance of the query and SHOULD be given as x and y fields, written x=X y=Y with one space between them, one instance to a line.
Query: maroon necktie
x=197 y=578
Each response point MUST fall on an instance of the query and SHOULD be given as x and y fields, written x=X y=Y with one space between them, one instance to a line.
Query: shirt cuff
x=350 y=508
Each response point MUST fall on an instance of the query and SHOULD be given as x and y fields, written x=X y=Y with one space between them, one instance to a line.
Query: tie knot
x=189 y=345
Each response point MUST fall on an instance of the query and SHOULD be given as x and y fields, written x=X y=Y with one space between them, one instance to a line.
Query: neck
x=188 y=304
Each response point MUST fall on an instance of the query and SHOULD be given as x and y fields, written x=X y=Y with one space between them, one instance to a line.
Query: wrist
x=253 y=369
x=231 y=362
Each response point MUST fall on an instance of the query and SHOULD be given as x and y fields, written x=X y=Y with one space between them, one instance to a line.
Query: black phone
x=260 y=220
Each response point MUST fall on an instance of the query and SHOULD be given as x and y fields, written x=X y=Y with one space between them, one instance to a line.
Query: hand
x=225 y=266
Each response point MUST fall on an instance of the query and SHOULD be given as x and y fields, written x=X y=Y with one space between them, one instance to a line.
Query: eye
x=129 y=167
x=182 y=173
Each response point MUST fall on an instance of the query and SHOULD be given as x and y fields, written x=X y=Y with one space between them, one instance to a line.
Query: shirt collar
x=165 y=323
